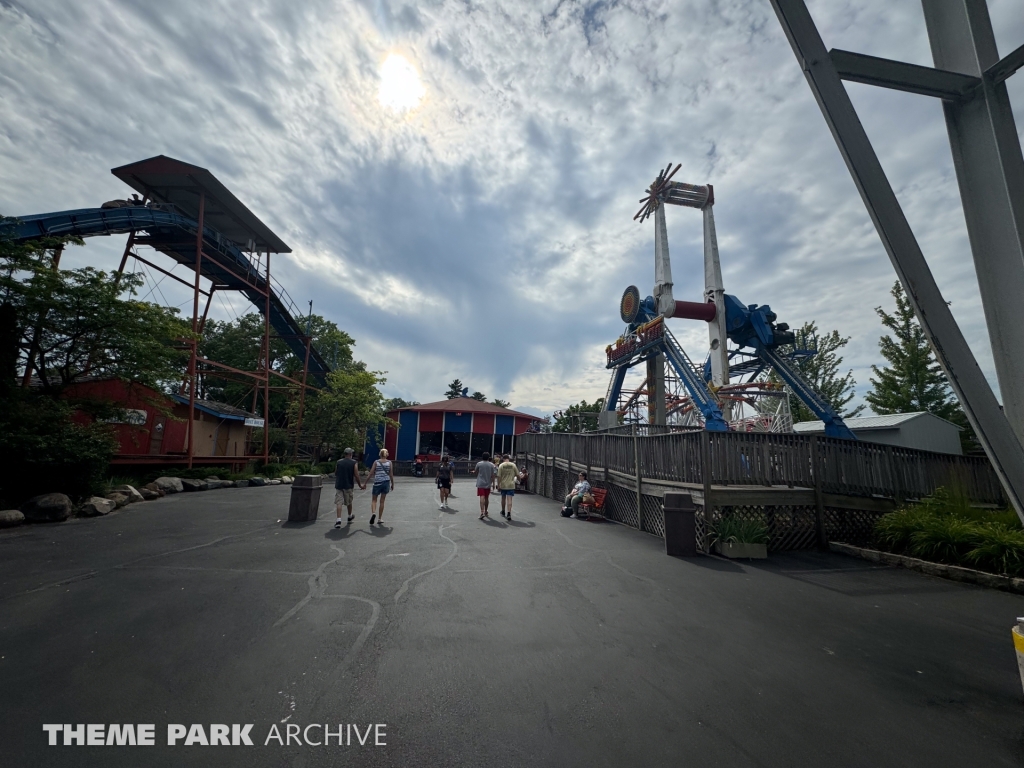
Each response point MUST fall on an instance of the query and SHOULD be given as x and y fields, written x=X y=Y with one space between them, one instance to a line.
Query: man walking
x=346 y=476
x=508 y=473
x=485 y=473
x=445 y=471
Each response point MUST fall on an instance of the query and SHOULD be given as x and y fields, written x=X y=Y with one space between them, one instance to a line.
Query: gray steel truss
x=969 y=78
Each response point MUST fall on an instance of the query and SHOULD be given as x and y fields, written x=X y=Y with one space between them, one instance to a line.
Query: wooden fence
x=807 y=489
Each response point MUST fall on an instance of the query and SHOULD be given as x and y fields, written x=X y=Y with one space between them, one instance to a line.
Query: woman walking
x=444 y=480
x=383 y=475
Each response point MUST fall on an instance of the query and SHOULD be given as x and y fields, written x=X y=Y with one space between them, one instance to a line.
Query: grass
x=736 y=530
x=945 y=528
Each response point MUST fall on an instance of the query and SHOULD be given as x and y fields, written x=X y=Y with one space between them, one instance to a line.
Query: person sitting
x=572 y=501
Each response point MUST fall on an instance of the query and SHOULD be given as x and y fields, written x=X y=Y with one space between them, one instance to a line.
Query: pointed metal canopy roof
x=166 y=180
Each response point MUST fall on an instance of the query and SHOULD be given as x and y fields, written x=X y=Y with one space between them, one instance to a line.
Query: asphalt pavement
x=545 y=641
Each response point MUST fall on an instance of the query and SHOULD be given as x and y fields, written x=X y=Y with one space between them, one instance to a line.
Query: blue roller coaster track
x=175 y=235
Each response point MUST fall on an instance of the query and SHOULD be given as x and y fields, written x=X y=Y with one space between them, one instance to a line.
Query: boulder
x=96 y=506
x=258 y=481
x=169 y=484
x=193 y=485
x=119 y=499
x=47 y=508
x=11 y=517
x=273 y=482
x=241 y=483
x=149 y=494
x=212 y=477
x=129 y=491
x=152 y=487
x=287 y=479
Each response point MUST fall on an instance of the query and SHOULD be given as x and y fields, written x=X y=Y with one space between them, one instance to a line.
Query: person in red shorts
x=485 y=474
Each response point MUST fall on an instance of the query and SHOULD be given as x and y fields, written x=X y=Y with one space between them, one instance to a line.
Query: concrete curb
x=952 y=572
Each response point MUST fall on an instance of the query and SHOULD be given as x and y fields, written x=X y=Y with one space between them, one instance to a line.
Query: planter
x=732 y=549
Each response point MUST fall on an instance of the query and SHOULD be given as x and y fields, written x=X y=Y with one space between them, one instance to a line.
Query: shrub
x=945 y=528
x=736 y=530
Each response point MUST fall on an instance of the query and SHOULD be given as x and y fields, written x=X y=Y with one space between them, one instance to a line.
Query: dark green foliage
x=581 y=417
x=500 y=403
x=454 y=389
x=394 y=403
x=737 y=530
x=944 y=528
x=43 y=451
x=822 y=371
x=479 y=396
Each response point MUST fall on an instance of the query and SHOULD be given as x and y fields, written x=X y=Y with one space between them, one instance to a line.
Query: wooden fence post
x=705 y=476
x=636 y=466
x=819 y=500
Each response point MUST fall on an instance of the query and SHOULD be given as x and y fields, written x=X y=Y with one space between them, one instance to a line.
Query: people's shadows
x=291 y=524
x=339 y=534
x=495 y=523
x=521 y=523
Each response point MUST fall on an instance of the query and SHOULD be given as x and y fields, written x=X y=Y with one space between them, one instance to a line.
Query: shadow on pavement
x=287 y=524
x=521 y=524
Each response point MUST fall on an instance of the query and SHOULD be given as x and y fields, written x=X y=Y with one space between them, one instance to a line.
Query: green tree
x=454 y=389
x=397 y=402
x=822 y=371
x=912 y=379
x=581 y=417
x=480 y=396
x=500 y=403
x=340 y=413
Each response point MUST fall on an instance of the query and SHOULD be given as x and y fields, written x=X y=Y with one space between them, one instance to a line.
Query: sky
x=457 y=180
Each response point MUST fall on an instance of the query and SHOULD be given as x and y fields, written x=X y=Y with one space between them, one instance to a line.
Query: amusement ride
x=731 y=390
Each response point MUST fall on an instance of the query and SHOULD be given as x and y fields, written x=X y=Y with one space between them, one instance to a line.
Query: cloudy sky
x=486 y=233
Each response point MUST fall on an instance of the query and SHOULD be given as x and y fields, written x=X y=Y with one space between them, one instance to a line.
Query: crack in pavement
x=317 y=586
x=455 y=550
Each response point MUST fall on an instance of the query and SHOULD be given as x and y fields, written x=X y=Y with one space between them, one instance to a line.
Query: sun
x=400 y=86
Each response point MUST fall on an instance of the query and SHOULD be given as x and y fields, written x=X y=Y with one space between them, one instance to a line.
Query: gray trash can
x=680 y=525
x=305 y=498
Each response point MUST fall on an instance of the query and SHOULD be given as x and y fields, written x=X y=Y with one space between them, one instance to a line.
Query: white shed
x=922 y=430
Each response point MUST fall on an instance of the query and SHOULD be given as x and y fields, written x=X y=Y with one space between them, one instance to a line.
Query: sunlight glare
x=400 y=86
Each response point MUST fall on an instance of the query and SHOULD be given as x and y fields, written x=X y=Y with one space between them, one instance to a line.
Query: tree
x=581 y=417
x=454 y=389
x=397 y=402
x=821 y=370
x=500 y=403
x=912 y=380
x=480 y=396
x=342 y=412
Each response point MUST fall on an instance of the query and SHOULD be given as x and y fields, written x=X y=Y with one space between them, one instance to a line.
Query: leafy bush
x=944 y=528
x=43 y=451
x=736 y=530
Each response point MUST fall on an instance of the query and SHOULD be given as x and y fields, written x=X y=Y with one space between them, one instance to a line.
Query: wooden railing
x=845 y=467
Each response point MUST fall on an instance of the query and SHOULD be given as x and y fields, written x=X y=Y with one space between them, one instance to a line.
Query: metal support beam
x=990 y=172
x=926 y=81
x=656 y=390
x=266 y=372
x=193 y=357
x=951 y=349
x=1009 y=64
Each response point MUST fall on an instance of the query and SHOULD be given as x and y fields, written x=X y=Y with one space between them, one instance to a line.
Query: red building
x=463 y=428
x=153 y=427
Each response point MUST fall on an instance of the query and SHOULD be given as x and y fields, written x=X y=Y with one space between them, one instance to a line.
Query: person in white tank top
x=383 y=474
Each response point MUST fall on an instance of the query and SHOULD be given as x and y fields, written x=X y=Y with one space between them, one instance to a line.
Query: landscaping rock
x=273 y=482
x=259 y=481
x=47 y=508
x=120 y=499
x=169 y=484
x=129 y=491
x=153 y=487
x=96 y=506
x=149 y=494
x=241 y=483
x=287 y=480
x=193 y=485
x=10 y=518
x=212 y=477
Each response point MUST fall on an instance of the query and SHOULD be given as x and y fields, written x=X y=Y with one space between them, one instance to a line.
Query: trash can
x=305 y=498
x=680 y=525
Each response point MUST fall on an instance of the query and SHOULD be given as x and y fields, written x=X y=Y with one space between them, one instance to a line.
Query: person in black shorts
x=346 y=478
x=445 y=475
